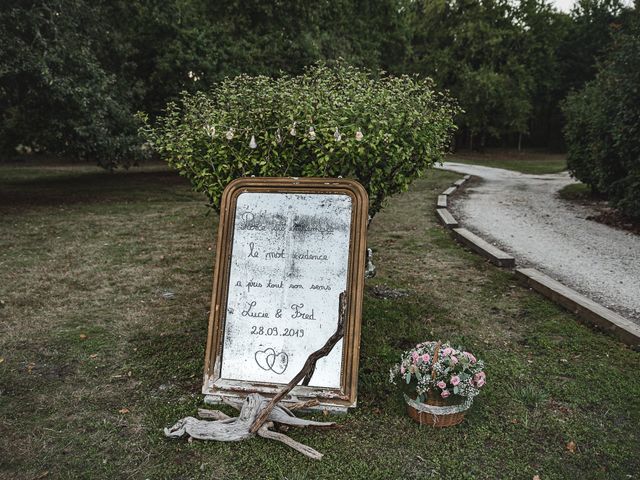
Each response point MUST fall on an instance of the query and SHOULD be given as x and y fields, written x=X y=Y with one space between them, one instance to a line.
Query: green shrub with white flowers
x=381 y=130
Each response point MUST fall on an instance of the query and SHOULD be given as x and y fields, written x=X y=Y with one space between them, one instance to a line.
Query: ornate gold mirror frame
x=215 y=386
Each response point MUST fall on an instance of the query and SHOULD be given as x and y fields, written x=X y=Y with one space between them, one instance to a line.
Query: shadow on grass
x=90 y=187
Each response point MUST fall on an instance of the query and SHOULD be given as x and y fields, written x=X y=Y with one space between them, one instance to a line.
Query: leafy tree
x=561 y=51
x=472 y=48
x=55 y=94
x=190 y=45
x=588 y=36
x=544 y=31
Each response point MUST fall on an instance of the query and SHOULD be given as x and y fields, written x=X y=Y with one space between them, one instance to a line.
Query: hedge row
x=603 y=125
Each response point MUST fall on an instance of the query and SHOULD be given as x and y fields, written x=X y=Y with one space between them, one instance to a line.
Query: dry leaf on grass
x=83 y=336
x=536 y=477
x=571 y=446
x=123 y=410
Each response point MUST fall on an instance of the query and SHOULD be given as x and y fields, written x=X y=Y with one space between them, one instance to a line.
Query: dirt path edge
x=587 y=310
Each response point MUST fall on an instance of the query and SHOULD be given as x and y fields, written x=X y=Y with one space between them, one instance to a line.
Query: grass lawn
x=525 y=162
x=95 y=361
x=576 y=191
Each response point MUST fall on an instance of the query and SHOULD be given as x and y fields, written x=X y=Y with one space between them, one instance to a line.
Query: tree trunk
x=519 y=142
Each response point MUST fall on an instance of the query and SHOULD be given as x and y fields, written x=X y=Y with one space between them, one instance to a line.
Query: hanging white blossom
x=337 y=135
x=210 y=130
x=230 y=134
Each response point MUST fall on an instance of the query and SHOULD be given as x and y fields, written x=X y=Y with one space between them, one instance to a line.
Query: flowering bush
x=457 y=372
x=381 y=130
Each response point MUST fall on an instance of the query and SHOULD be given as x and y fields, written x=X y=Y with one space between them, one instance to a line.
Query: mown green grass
x=535 y=163
x=576 y=191
x=85 y=257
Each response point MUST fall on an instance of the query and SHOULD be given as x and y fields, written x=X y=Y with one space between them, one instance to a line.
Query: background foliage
x=72 y=72
x=603 y=124
x=60 y=82
x=327 y=122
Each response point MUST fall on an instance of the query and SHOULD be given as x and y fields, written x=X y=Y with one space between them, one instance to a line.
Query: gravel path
x=523 y=214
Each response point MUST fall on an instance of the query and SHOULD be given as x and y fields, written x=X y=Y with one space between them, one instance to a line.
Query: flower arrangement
x=437 y=369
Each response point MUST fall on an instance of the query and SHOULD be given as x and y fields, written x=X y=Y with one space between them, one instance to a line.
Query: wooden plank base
x=494 y=254
x=585 y=308
x=446 y=218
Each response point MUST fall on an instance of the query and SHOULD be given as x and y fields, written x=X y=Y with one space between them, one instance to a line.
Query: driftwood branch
x=212 y=414
x=309 y=366
x=280 y=437
x=258 y=414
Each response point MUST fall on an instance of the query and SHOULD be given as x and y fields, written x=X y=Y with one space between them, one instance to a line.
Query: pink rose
x=470 y=356
x=402 y=370
x=415 y=356
x=447 y=351
x=426 y=357
x=479 y=379
x=445 y=393
x=454 y=359
x=441 y=384
x=455 y=380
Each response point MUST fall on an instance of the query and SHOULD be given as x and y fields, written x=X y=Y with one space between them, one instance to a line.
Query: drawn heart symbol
x=280 y=363
x=263 y=357
x=269 y=360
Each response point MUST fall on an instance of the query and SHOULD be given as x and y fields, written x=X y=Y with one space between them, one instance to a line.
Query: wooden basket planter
x=437 y=411
x=434 y=411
